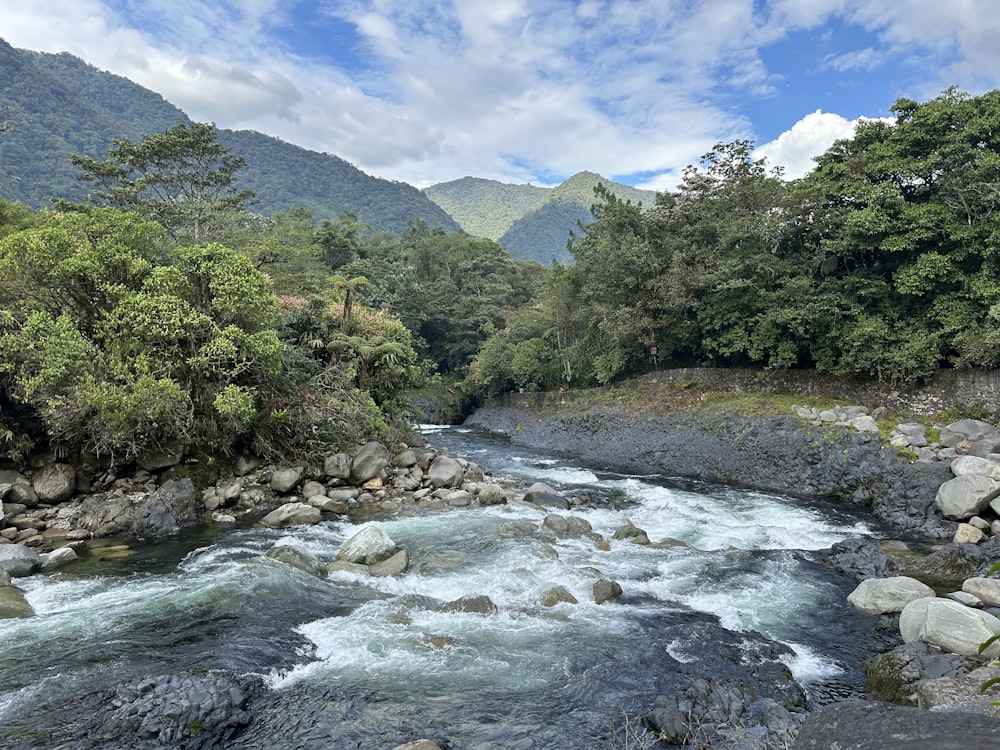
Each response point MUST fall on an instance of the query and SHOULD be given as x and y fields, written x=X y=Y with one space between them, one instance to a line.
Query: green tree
x=181 y=178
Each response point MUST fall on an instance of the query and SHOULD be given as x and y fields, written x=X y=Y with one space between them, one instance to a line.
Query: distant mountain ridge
x=533 y=222
x=57 y=104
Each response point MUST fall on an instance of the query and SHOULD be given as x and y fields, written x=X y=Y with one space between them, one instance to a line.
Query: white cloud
x=795 y=149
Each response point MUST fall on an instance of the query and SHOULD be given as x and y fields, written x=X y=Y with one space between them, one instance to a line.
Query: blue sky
x=426 y=91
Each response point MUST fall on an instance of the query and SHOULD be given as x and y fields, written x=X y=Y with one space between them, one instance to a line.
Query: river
x=372 y=662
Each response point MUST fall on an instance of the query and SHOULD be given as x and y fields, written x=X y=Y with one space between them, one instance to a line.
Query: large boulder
x=292 y=514
x=165 y=510
x=370 y=545
x=54 y=483
x=894 y=675
x=13 y=605
x=966 y=496
x=19 y=561
x=284 y=481
x=541 y=494
x=963 y=465
x=445 y=471
x=987 y=590
x=392 y=566
x=370 y=459
x=492 y=494
x=337 y=466
x=859 y=557
x=878 y=596
x=950 y=626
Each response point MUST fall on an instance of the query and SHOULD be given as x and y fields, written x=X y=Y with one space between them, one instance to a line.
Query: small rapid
x=353 y=659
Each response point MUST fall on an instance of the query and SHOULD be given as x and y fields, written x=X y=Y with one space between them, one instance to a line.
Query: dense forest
x=164 y=313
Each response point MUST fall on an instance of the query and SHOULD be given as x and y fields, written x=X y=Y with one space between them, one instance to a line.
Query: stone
x=347 y=567
x=445 y=471
x=337 y=466
x=987 y=590
x=856 y=725
x=57 y=557
x=541 y=494
x=292 y=514
x=949 y=626
x=54 y=483
x=296 y=556
x=459 y=499
x=972 y=430
x=328 y=504
x=877 y=596
x=606 y=591
x=245 y=464
x=961 y=693
x=284 y=481
x=965 y=598
x=13 y=604
x=894 y=675
x=492 y=494
x=418 y=745
x=405 y=459
x=472 y=604
x=963 y=465
x=156 y=460
x=370 y=545
x=369 y=460
x=967 y=534
x=312 y=489
x=18 y=560
x=164 y=511
x=966 y=496
x=557 y=595
x=393 y=566
x=864 y=423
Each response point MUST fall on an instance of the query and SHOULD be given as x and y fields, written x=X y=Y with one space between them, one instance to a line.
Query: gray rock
x=163 y=512
x=370 y=545
x=58 y=557
x=859 y=558
x=894 y=675
x=445 y=471
x=405 y=459
x=864 y=423
x=472 y=604
x=13 y=605
x=606 y=591
x=337 y=466
x=370 y=459
x=296 y=556
x=459 y=499
x=492 y=494
x=154 y=461
x=328 y=504
x=312 y=488
x=541 y=494
x=18 y=560
x=245 y=464
x=966 y=496
x=557 y=595
x=949 y=626
x=348 y=567
x=392 y=566
x=966 y=429
x=54 y=483
x=881 y=726
x=987 y=590
x=877 y=596
x=284 y=481
x=418 y=745
x=963 y=465
x=961 y=693
x=292 y=514
x=967 y=534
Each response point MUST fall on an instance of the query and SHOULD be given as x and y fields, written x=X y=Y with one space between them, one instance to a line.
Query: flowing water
x=371 y=662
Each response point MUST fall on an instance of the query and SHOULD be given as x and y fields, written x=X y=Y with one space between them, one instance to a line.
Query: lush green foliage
x=881 y=263
x=486 y=208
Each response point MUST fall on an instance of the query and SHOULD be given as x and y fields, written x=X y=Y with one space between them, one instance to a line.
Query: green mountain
x=532 y=222
x=55 y=105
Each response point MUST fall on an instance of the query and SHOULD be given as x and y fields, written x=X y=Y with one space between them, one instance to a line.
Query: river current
x=373 y=662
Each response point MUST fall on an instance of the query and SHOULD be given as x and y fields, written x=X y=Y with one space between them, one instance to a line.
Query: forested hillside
x=57 y=105
x=534 y=223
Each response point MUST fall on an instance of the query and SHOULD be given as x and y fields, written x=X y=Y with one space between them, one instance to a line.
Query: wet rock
x=292 y=514
x=296 y=556
x=472 y=604
x=418 y=745
x=492 y=494
x=13 y=605
x=163 y=512
x=881 y=726
x=606 y=591
x=948 y=566
x=57 y=557
x=368 y=546
x=541 y=494
x=392 y=566
x=557 y=595
x=19 y=561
